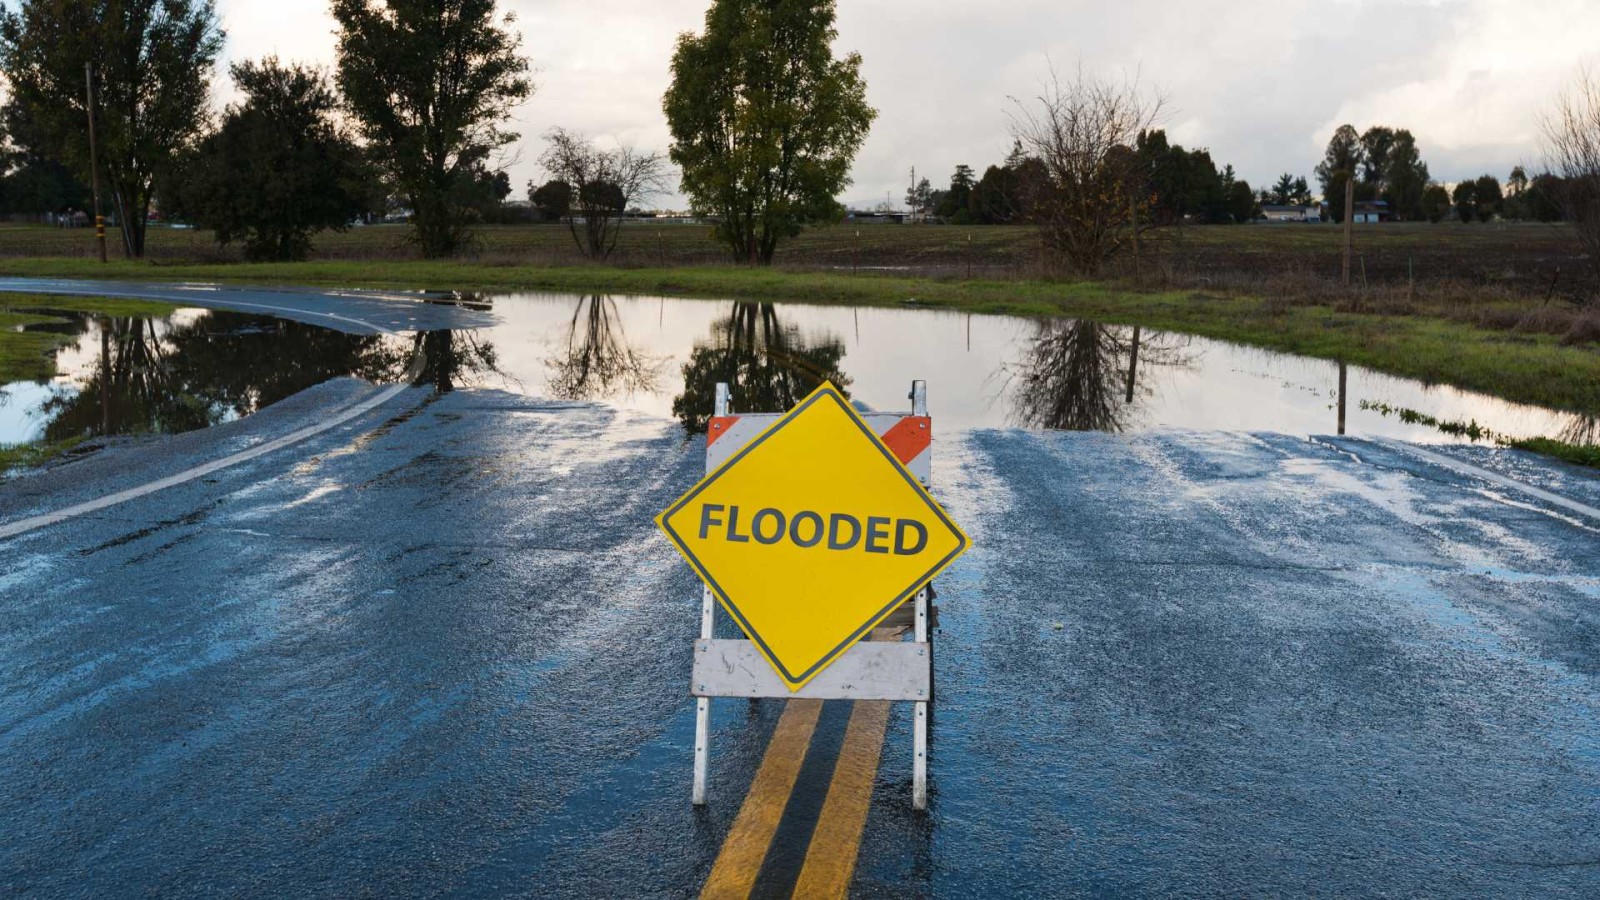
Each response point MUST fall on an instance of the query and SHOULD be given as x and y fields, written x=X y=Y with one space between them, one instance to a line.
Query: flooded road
x=663 y=357
x=442 y=650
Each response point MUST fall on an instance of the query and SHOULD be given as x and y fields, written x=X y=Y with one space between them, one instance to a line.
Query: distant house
x=862 y=217
x=1277 y=213
x=1371 y=212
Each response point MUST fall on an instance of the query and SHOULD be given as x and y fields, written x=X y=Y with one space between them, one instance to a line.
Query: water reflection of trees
x=452 y=359
x=597 y=361
x=1079 y=375
x=1582 y=431
x=154 y=377
x=767 y=365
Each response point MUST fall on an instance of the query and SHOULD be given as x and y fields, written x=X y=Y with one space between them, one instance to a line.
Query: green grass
x=1528 y=368
x=26 y=355
x=24 y=456
x=1572 y=453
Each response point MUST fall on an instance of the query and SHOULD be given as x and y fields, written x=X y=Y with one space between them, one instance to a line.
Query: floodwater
x=192 y=369
x=664 y=356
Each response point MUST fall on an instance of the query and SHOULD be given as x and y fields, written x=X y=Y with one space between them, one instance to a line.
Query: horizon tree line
x=414 y=114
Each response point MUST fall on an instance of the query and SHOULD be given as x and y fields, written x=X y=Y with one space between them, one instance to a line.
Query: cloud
x=1261 y=83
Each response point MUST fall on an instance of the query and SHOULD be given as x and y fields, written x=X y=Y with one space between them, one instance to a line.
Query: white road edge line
x=33 y=523
x=1470 y=470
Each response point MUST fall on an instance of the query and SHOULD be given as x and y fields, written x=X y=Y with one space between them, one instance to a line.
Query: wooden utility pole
x=1344 y=384
x=105 y=373
x=1133 y=364
x=1133 y=220
x=1349 y=223
x=94 y=163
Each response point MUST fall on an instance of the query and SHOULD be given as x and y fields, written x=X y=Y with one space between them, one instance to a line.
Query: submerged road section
x=440 y=649
x=355 y=311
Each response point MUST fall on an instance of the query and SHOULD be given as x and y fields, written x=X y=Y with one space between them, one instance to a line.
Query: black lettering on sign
x=767 y=515
x=900 y=529
x=808 y=529
x=877 y=530
x=836 y=520
x=794 y=529
x=708 y=519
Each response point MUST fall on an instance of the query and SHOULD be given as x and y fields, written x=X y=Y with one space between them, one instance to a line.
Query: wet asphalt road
x=441 y=650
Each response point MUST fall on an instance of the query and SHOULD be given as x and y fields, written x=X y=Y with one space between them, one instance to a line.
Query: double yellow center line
x=830 y=859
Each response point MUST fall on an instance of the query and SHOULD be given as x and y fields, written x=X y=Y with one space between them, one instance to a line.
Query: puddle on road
x=192 y=369
x=663 y=356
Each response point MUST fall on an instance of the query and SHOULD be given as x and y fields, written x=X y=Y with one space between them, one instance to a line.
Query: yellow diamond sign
x=812 y=534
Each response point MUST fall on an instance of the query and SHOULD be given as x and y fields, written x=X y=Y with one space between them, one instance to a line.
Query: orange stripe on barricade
x=719 y=426
x=909 y=437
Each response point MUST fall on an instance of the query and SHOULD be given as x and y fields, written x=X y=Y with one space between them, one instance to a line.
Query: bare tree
x=1080 y=375
x=603 y=183
x=1572 y=152
x=1089 y=196
x=598 y=361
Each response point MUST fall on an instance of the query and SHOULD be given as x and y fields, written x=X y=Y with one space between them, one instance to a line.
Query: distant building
x=1371 y=212
x=861 y=217
x=1277 y=213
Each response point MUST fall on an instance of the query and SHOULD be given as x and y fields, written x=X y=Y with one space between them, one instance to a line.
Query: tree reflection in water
x=1080 y=375
x=768 y=366
x=452 y=359
x=598 y=362
x=1582 y=431
x=195 y=373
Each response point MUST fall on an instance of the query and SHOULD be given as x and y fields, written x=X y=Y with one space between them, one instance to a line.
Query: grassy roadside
x=1532 y=368
x=23 y=456
x=25 y=355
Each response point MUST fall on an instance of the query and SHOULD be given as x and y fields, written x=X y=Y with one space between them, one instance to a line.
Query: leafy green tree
x=1283 y=191
x=33 y=184
x=1184 y=183
x=553 y=199
x=153 y=61
x=919 y=198
x=279 y=169
x=768 y=365
x=1465 y=197
x=1487 y=193
x=1544 y=198
x=1435 y=203
x=1405 y=175
x=1242 y=205
x=1341 y=162
x=1515 y=205
x=765 y=121
x=957 y=202
x=1517 y=183
x=431 y=82
x=1301 y=195
x=1376 y=144
x=1000 y=196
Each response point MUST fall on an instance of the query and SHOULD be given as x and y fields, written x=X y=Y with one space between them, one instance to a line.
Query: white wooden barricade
x=871 y=670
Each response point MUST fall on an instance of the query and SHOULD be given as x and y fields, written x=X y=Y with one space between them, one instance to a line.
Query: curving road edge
x=418 y=363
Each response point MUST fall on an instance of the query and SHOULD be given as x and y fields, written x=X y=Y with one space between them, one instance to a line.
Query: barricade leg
x=919 y=737
x=702 y=713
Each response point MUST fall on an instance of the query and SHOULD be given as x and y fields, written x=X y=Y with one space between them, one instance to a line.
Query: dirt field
x=1522 y=257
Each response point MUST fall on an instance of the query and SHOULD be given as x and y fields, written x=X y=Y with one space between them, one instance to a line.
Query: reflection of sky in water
x=20 y=419
x=975 y=366
x=1220 y=386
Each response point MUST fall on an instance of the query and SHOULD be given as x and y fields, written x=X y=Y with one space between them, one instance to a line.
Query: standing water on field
x=664 y=356
x=197 y=368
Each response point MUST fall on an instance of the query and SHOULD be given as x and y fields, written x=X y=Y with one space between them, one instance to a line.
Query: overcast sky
x=1261 y=83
